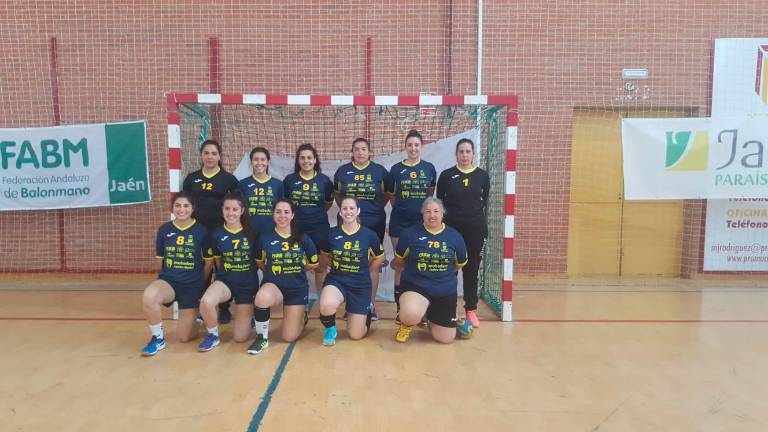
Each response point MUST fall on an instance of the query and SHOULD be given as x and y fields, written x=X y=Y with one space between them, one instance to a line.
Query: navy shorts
x=242 y=294
x=441 y=310
x=319 y=237
x=186 y=295
x=377 y=226
x=399 y=223
x=357 y=298
x=293 y=296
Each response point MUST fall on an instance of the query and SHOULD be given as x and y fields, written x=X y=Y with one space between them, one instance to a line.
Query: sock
x=214 y=330
x=262 y=321
x=328 y=320
x=157 y=330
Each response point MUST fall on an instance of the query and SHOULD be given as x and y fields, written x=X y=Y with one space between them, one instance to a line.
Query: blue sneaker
x=210 y=342
x=330 y=336
x=153 y=346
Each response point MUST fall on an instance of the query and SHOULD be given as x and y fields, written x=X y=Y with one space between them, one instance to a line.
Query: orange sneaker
x=472 y=317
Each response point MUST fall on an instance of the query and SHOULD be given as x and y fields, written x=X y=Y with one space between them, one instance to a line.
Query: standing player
x=208 y=185
x=233 y=250
x=364 y=179
x=430 y=255
x=283 y=255
x=409 y=183
x=182 y=245
x=464 y=189
x=354 y=249
x=311 y=193
x=261 y=191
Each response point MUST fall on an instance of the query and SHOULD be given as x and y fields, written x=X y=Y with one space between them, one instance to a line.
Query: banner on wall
x=692 y=158
x=74 y=166
x=740 y=77
x=736 y=236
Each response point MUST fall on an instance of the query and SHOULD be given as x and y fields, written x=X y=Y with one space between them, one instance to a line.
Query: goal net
x=331 y=124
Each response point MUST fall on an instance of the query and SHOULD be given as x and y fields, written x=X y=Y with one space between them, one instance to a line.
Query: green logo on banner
x=686 y=154
x=127 y=163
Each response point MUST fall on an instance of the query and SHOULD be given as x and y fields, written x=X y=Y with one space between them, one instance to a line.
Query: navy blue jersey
x=261 y=197
x=351 y=252
x=284 y=259
x=183 y=251
x=432 y=258
x=310 y=197
x=410 y=184
x=366 y=184
x=237 y=254
x=209 y=194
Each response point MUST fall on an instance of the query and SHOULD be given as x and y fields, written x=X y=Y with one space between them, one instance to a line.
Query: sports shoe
x=424 y=322
x=153 y=346
x=210 y=342
x=463 y=329
x=330 y=336
x=374 y=315
x=259 y=345
x=472 y=317
x=403 y=333
x=225 y=316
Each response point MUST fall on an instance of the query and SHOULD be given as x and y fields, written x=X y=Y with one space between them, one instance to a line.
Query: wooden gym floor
x=582 y=355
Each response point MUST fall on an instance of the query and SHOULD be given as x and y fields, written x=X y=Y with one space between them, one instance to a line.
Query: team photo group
x=225 y=230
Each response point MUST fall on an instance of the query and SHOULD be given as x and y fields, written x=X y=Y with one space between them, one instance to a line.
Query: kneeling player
x=182 y=244
x=354 y=248
x=233 y=251
x=283 y=256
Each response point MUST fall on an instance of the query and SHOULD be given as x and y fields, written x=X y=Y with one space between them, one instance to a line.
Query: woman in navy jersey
x=464 y=190
x=430 y=255
x=311 y=193
x=182 y=245
x=364 y=179
x=237 y=278
x=355 y=249
x=261 y=191
x=283 y=256
x=208 y=186
x=409 y=183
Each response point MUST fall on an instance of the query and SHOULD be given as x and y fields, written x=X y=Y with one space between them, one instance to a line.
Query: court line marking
x=267 y=398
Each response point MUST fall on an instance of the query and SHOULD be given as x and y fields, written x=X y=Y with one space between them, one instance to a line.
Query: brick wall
x=117 y=59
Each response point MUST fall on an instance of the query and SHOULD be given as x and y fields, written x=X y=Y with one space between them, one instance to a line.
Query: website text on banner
x=74 y=166
x=695 y=158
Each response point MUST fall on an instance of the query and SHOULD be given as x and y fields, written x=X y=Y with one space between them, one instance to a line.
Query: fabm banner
x=737 y=235
x=693 y=158
x=74 y=166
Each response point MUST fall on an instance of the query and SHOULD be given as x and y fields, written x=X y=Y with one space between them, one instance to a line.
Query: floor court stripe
x=267 y=398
